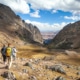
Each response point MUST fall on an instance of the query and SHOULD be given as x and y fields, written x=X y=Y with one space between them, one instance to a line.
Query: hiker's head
x=4 y=45
x=9 y=44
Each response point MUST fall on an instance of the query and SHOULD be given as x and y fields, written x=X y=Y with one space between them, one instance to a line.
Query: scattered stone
x=78 y=79
x=57 y=68
x=29 y=65
x=71 y=77
x=24 y=70
x=9 y=75
x=78 y=73
x=48 y=58
x=59 y=78
x=69 y=66
x=68 y=52
x=30 y=60
x=32 y=78
x=22 y=59
x=36 y=61
x=14 y=64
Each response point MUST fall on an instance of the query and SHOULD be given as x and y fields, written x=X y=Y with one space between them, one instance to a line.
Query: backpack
x=8 y=51
x=13 y=52
x=3 y=51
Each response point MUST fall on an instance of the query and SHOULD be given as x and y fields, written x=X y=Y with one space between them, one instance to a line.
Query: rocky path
x=2 y=66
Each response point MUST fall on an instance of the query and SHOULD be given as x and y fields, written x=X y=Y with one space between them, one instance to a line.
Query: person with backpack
x=3 y=52
x=9 y=55
x=14 y=53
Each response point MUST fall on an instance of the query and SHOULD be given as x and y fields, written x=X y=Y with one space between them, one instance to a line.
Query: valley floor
x=38 y=63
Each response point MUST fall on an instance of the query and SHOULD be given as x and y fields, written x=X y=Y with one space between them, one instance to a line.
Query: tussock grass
x=31 y=51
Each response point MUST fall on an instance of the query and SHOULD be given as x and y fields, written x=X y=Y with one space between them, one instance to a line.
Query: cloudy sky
x=47 y=15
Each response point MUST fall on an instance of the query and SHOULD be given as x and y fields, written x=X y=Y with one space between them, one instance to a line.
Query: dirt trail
x=2 y=67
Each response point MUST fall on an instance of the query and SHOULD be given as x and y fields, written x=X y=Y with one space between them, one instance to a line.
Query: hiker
x=9 y=55
x=3 y=52
x=14 y=53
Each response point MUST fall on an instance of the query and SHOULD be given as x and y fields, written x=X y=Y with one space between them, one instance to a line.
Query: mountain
x=14 y=30
x=35 y=32
x=68 y=37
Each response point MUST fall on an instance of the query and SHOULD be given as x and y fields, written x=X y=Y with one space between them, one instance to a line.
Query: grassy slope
x=32 y=51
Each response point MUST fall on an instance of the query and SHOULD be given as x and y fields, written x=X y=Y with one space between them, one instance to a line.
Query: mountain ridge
x=68 y=37
x=15 y=30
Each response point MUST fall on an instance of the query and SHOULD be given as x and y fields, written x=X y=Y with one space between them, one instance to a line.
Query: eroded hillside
x=14 y=29
x=68 y=37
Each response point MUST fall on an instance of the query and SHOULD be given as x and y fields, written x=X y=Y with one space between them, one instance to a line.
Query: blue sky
x=47 y=15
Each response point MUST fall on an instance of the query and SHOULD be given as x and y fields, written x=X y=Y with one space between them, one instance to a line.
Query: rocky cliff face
x=68 y=37
x=14 y=30
x=35 y=31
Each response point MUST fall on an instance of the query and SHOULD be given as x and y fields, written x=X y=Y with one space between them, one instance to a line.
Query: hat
x=9 y=44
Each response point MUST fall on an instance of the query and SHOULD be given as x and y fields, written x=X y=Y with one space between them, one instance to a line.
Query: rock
x=47 y=67
x=61 y=70
x=69 y=66
x=78 y=79
x=78 y=73
x=70 y=52
x=57 y=68
x=32 y=78
x=47 y=58
x=36 y=61
x=59 y=78
x=72 y=77
x=9 y=75
x=15 y=65
x=29 y=65
x=30 y=60
x=24 y=70
x=22 y=59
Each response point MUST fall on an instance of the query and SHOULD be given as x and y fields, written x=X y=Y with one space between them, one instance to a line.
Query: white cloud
x=47 y=26
x=35 y=14
x=54 y=11
x=23 y=5
x=17 y=5
x=76 y=12
x=72 y=17
x=64 y=5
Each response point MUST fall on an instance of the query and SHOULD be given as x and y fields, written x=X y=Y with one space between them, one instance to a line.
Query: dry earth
x=31 y=64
